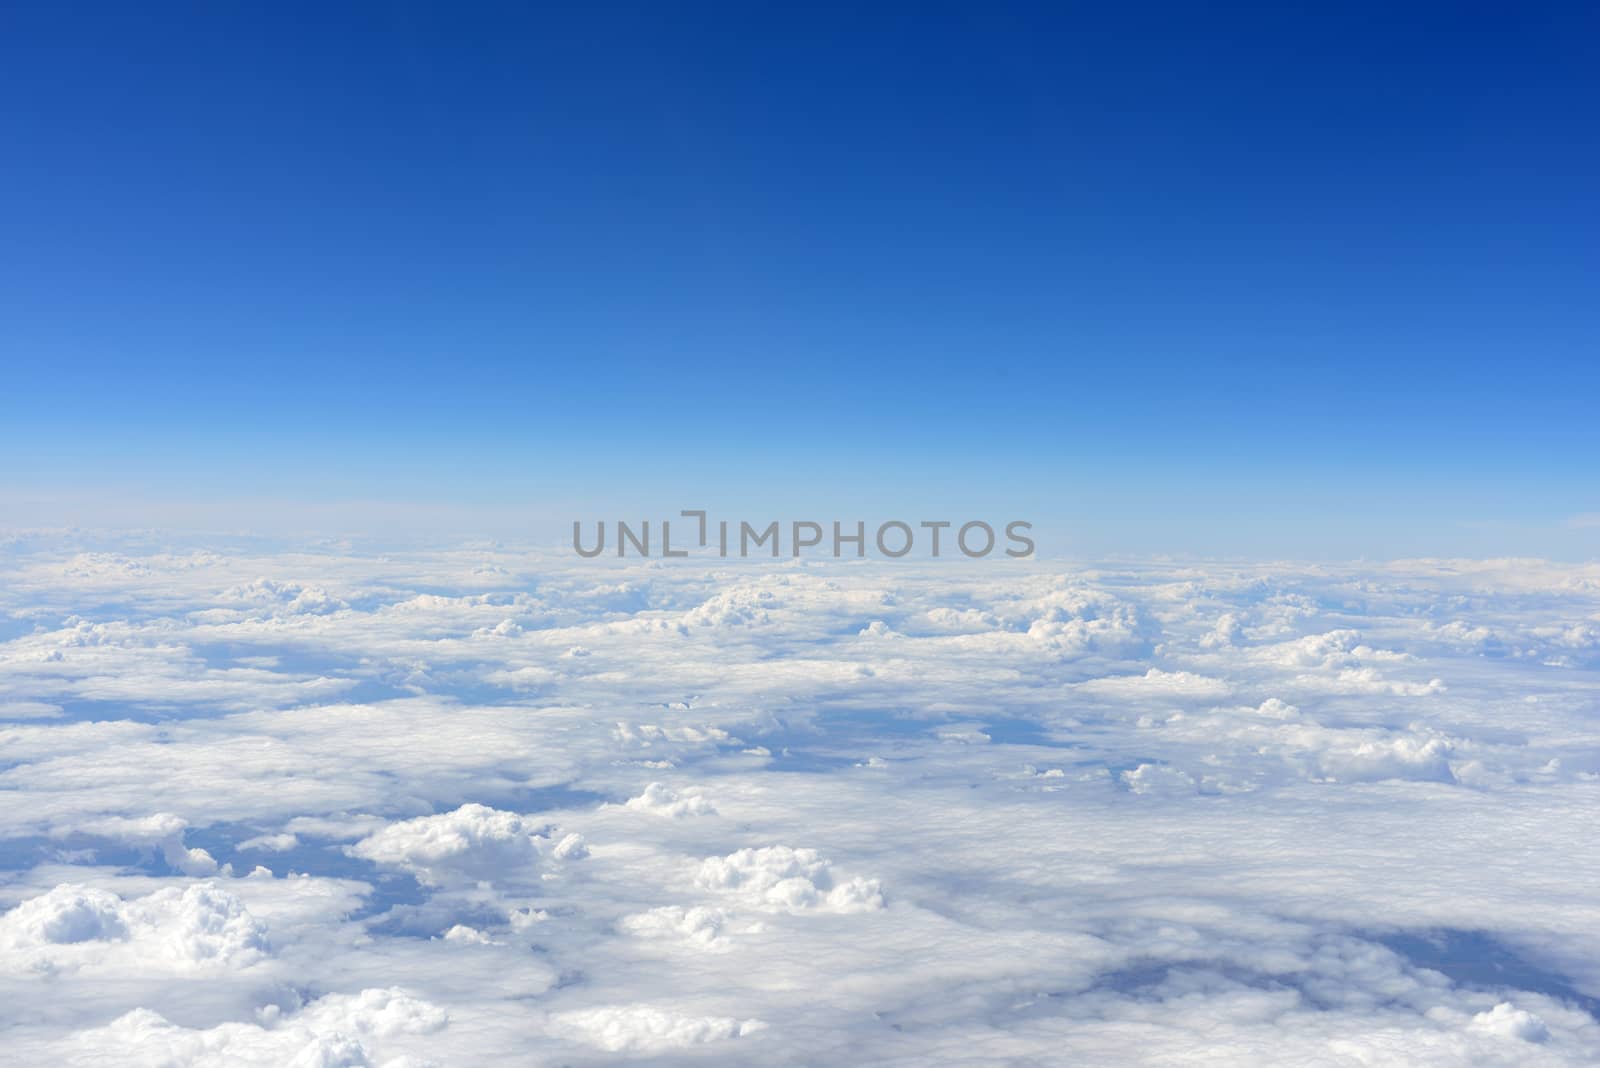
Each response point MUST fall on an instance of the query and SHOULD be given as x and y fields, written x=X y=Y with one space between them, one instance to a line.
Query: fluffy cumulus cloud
x=700 y=925
x=664 y=801
x=197 y=926
x=646 y=1029
x=337 y=1031
x=779 y=877
x=324 y=805
x=474 y=841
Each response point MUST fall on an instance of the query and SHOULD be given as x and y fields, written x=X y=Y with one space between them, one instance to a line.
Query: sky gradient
x=1171 y=280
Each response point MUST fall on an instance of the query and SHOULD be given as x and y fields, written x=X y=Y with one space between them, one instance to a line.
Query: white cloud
x=780 y=877
x=474 y=841
x=1125 y=814
x=645 y=1029
x=271 y=843
x=163 y=831
x=336 y=1031
x=661 y=800
x=71 y=927
x=700 y=925
x=1508 y=1021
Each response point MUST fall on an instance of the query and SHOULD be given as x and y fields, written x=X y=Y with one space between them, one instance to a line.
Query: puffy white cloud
x=473 y=842
x=1157 y=683
x=1392 y=758
x=645 y=735
x=700 y=925
x=781 y=877
x=163 y=831
x=736 y=607
x=661 y=800
x=70 y=927
x=1508 y=1021
x=646 y=1029
x=289 y=597
x=570 y=847
x=65 y=915
x=1158 y=779
x=335 y=1031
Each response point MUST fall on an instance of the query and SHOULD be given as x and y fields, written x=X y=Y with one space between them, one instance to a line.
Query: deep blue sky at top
x=1343 y=258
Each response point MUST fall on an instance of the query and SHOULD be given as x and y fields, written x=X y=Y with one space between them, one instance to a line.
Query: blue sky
x=1174 y=280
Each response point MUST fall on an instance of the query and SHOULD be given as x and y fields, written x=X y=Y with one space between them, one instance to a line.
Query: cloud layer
x=325 y=805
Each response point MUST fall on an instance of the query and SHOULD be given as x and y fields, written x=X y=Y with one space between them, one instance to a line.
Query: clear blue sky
x=1321 y=281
